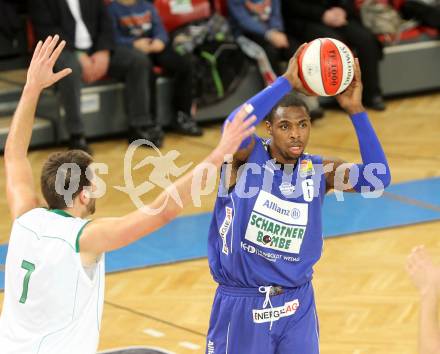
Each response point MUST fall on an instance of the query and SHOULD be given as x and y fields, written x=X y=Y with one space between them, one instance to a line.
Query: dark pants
x=428 y=15
x=134 y=69
x=180 y=69
x=367 y=47
x=126 y=66
x=275 y=55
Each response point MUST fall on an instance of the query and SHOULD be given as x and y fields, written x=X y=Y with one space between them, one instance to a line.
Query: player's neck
x=75 y=212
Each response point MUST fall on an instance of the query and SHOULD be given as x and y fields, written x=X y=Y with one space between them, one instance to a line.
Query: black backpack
x=219 y=64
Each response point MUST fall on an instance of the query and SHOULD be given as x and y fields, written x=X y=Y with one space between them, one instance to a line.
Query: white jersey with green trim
x=51 y=304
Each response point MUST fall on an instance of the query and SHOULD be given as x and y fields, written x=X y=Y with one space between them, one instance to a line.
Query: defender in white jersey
x=55 y=264
x=52 y=304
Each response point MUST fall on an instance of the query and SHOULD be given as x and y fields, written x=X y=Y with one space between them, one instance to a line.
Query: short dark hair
x=49 y=172
x=290 y=100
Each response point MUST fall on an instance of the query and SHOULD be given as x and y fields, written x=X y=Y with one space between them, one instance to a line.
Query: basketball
x=326 y=67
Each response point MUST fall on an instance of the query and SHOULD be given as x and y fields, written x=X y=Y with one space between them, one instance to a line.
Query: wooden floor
x=365 y=302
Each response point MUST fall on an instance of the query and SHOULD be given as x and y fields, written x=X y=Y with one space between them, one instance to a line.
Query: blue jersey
x=268 y=229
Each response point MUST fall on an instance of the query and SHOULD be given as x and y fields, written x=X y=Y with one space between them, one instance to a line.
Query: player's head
x=289 y=125
x=64 y=180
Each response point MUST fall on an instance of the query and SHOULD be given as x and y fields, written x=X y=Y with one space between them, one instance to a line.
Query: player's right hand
x=292 y=72
x=40 y=73
x=235 y=131
x=423 y=272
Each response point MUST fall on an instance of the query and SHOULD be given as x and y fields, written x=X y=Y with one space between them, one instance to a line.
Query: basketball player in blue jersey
x=266 y=231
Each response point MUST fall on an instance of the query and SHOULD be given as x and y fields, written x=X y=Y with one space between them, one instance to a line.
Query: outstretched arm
x=352 y=177
x=107 y=234
x=20 y=189
x=426 y=277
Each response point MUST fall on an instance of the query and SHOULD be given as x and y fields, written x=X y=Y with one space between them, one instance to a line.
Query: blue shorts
x=248 y=321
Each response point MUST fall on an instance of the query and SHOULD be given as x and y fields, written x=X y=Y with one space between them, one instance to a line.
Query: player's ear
x=269 y=127
x=84 y=196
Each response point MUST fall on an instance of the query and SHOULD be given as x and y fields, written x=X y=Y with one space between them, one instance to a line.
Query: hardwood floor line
x=145 y=315
x=411 y=201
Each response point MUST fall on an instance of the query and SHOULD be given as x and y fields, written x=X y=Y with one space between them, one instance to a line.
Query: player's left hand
x=235 y=131
x=351 y=99
x=424 y=274
x=40 y=74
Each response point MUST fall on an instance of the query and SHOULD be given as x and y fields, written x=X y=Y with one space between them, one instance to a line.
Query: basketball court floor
x=159 y=291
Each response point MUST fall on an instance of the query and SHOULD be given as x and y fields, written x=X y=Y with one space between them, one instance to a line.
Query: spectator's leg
x=428 y=15
x=70 y=91
x=70 y=95
x=180 y=68
x=134 y=68
x=369 y=52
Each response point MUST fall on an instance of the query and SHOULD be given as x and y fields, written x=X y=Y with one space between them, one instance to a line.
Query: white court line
x=154 y=333
x=189 y=345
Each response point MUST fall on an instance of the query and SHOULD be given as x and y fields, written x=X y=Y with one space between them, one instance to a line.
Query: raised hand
x=292 y=72
x=351 y=99
x=236 y=131
x=40 y=73
x=424 y=274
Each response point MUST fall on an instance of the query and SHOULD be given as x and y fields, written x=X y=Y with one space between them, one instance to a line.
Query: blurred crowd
x=126 y=40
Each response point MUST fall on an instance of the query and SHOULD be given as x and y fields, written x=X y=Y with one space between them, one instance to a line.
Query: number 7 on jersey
x=30 y=267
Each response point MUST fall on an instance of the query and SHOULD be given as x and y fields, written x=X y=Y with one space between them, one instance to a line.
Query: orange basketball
x=326 y=67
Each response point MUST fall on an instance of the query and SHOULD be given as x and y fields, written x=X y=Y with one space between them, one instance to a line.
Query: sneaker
x=79 y=142
x=186 y=125
x=152 y=134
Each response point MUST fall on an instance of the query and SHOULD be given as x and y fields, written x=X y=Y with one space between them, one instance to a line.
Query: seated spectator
x=139 y=33
x=261 y=22
x=426 y=277
x=90 y=52
x=310 y=19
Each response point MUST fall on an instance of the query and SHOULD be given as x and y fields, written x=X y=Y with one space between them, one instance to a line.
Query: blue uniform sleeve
x=264 y=101
x=373 y=157
x=159 y=31
x=238 y=11
x=276 y=20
